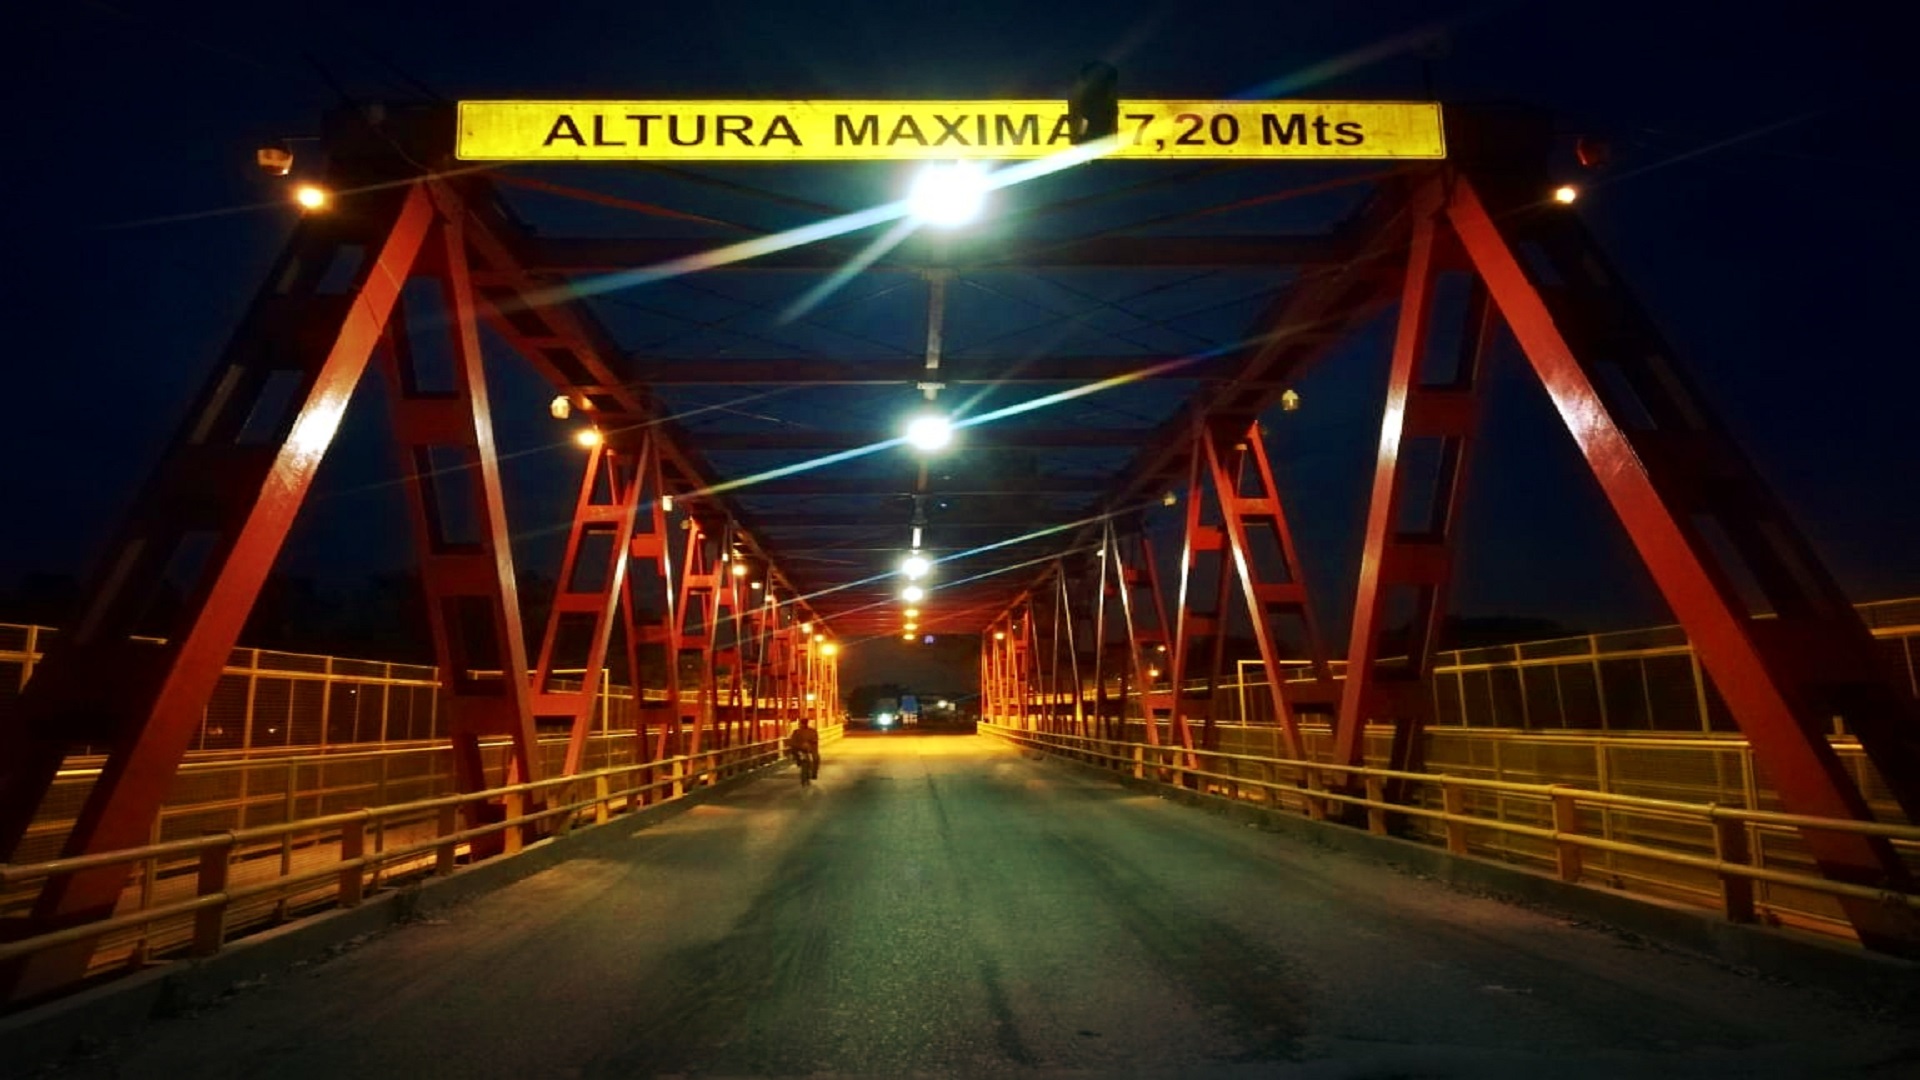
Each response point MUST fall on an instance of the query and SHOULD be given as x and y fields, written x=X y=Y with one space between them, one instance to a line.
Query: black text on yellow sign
x=935 y=130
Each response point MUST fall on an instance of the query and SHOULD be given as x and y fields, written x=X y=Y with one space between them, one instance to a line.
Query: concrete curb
x=1881 y=982
x=38 y=1037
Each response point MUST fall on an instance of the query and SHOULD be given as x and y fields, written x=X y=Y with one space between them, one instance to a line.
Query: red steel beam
x=587 y=592
x=651 y=626
x=215 y=513
x=1675 y=477
x=981 y=437
x=473 y=604
x=1414 y=561
x=573 y=255
x=954 y=371
x=1227 y=464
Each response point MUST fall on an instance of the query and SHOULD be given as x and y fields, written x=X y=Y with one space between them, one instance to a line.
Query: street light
x=915 y=567
x=1565 y=194
x=311 y=197
x=948 y=195
x=587 y=438
x=829 y=649
x=913 y=594
x=929 y=432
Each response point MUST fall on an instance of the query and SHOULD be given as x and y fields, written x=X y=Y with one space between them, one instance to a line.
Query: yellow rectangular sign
x=935 y=130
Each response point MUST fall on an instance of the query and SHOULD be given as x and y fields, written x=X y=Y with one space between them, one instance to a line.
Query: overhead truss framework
x=786 y=527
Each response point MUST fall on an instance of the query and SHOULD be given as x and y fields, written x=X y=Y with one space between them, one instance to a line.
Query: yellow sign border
x=862 y=130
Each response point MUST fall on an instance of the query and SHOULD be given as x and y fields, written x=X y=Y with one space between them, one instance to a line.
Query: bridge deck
x=941 y=904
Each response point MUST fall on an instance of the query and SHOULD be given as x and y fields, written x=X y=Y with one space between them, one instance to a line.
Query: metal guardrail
x=432 y=841
x=1567 y=821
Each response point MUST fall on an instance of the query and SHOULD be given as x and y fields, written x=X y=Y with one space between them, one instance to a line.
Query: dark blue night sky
x=1760 y=202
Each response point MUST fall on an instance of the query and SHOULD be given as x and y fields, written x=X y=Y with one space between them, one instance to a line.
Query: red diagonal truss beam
x=213 y=518
x=1676 y=480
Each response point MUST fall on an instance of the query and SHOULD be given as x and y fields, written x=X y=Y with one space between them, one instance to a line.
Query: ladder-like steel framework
x=411 y=255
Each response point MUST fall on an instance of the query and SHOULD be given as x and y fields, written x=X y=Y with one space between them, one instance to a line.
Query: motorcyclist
x=804 y=746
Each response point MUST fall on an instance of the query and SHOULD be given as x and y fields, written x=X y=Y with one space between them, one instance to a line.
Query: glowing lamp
x=311 y=197
x=929 y=432
x=946 y=196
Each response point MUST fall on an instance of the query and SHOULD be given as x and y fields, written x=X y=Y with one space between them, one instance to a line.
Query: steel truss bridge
x=718 y=564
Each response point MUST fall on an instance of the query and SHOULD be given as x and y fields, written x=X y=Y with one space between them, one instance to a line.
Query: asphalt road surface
x=944 y=906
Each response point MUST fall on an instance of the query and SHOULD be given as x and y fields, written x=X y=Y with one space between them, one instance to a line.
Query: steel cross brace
x=698 y=611
x=592 y=578
x=648 y=608
x=1412 y=561
x=473 y=605
x=212 y=518
x=1074 y=720
x=1701 y=519
x=1133 y=570
x=1224 y=465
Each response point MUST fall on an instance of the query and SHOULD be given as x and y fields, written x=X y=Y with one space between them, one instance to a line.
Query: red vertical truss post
x=761 y=622
x=1134 y=570
x=1074 y=720
x=1226 y=465
x=1005 y=691
x=990 y=697
x=1042 y=660
x=209 y=522
x=1051 y=694
x=699 y=598
x=813 y=652
x=728 y=684
x=1102 y=588
x=593 y=575
x=1203 y=543
x=1090 y=586
x=460 y=524
x=1703 y=521
x=1024 y=682
x=649 y=617
x=829 y=701
x=986 y=682
x=785 y=671
x=1412 y=561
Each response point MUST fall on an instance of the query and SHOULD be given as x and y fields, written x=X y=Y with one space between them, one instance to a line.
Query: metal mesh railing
x=275 y=795
x=1678 y=849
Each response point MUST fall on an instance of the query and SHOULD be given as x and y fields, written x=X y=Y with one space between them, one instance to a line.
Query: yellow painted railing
x=1716 y=865
x=346 y=854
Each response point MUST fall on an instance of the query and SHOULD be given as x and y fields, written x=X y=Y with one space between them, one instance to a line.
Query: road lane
x=944 y=906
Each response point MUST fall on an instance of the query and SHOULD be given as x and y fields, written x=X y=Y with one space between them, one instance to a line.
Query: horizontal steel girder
x=966 y=439
x=722 y=371
x=979 y=518
x=580 y=255
x=971 y=483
